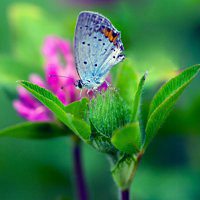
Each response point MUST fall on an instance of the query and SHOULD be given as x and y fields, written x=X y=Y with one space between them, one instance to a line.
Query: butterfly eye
x=79 y=84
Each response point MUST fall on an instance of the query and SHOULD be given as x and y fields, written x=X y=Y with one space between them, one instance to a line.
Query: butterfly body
x=89 y=83
x=97 y=47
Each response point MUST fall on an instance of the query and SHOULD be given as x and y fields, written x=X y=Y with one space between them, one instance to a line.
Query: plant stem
x=125 y=194
x=80 y=181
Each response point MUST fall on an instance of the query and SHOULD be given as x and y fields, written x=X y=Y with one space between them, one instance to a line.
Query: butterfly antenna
x=54 y=75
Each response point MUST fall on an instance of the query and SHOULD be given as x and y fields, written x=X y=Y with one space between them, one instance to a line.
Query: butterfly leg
x=81 y=93
x=88 y=92
x=107 y=83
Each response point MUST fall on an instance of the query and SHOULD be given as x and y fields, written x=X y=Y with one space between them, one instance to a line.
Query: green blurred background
x=159 y=36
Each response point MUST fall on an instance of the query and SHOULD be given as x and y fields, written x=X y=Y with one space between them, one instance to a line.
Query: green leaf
x=137 y=99
x=123 y=172
x=128 y=138
x=35 y=130
x=126 y=80
x=78 y=126
x=78 y=108
x=165 y=99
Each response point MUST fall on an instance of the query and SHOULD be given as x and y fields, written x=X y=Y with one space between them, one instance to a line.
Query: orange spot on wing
x=110 y=36
x=115 y=38
x=105 y=32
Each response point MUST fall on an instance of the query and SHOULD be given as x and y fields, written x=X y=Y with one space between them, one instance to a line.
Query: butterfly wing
x=97 y=46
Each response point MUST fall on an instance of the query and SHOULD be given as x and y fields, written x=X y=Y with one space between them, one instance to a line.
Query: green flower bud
x=108 y=112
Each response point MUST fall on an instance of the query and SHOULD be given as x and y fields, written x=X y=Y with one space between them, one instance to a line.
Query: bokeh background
x=159 y=36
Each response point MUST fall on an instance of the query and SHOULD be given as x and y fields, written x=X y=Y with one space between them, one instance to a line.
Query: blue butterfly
x=97 y=47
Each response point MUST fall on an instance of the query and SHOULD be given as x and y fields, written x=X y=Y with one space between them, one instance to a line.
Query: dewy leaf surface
x=165 y=99
x=78 y=126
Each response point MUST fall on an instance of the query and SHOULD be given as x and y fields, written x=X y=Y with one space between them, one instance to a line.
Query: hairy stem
x=80 y=180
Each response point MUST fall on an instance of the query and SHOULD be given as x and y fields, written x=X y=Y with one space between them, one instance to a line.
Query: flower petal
x=26 y=97
x=62 y=96
x=36 y=79
x=56 y=51
x=30 y=114
x=104 y=86
x=52 y=77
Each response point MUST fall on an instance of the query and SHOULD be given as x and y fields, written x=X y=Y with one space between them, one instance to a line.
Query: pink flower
x=29 y=107
x=58 y=61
